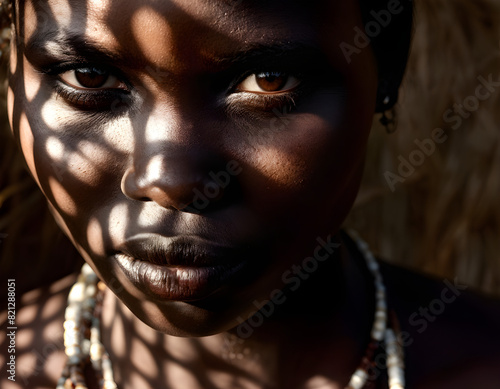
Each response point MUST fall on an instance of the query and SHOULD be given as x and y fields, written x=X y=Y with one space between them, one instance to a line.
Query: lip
x=177 y=269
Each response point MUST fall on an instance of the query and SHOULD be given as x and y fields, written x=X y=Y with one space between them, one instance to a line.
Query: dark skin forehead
x=177 y=37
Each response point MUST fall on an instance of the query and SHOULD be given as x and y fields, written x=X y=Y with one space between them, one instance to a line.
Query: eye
x=268 y=83
x=91 y=78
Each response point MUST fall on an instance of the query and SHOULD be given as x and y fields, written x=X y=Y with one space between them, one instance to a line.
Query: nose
x=175 y=177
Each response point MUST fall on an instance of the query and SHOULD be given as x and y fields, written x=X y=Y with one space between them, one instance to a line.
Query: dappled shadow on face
x=148 y=149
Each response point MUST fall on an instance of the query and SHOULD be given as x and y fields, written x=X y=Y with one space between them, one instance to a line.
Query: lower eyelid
x=262 y=101
x=92 y=100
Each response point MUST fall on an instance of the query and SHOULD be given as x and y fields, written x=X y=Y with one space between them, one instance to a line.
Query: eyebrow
x=74 y=47
x=276 y=52
x=70 y=45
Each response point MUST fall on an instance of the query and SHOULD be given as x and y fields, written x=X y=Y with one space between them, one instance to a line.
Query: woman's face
x=193 y=150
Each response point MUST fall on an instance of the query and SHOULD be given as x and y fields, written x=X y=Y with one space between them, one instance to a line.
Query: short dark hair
x=391 y=45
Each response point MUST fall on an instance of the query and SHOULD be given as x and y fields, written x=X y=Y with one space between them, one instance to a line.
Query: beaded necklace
x=83 y=346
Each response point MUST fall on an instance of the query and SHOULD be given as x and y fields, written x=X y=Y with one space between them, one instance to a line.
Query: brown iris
x=271 y=81
x=91 y=77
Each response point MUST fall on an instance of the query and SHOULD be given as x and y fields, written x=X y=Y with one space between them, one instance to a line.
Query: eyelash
x=92 y=100
x=107 y=100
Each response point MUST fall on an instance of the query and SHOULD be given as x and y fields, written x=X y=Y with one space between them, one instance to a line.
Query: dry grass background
x=445 y=217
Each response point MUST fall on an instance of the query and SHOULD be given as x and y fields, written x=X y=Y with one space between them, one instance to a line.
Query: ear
x=391 y=45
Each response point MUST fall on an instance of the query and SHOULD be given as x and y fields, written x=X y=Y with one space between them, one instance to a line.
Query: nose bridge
x=169 y=135
x=170 y=163
x=166 y=162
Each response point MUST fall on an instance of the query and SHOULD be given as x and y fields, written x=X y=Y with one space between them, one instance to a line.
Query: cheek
x=74 y=161
x=315 y=159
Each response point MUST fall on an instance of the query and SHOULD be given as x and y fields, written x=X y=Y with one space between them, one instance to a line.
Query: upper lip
x=177 y=251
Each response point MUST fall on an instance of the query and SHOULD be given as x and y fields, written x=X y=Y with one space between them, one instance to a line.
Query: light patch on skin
x=277 y=166
x=148 y=366
x=146 y=23
x=61 y=11
x=157 y=128
x=152 y=133
x=10 y=105
x=144 y=218
x=51 y=115
x=94 y=237
x=27 y=144
x=117 y=223
x=154 y=169
x=84 y=163
x=120 y=134
x=320 y=382
x=284 y=163
x=118 y=334
x=54 y=148
x=32 y=84
x=29 y=28
x=27 y=363
x=178 y=373
x=13 y=53
x=53 y=49
x=62 y=198
x=25 y=341
x=97 y=27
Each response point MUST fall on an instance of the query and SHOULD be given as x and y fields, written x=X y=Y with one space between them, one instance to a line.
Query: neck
x=320 y=334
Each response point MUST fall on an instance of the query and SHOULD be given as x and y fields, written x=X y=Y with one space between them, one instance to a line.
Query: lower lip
x=177 y=283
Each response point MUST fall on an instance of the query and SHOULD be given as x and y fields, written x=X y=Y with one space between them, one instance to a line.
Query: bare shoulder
x=39 y=347
x=450 y=332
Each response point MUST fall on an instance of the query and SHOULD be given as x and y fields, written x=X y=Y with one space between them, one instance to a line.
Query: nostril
x=180 y=181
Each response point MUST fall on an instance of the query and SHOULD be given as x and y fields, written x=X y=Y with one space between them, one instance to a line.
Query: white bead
x=380 y=316
x=85 y=346
x=73 y=313
x=96 y=351
x=377 y=334
x=373 y=266
x=380 y=325
x=91 y=291
x=358 y=379
x=77 y=293
x=389 y=336
x=71 y=340
x=95 y=334
x=73 y=351
x=107 y=370
x=393 y=360
x=395 y=376
x=69 y=325
x=86 y=270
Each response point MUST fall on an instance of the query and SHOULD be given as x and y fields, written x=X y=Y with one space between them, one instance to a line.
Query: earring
x=388 y=119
